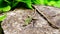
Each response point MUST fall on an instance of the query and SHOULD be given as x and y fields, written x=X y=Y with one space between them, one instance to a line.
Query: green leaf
x=51 y=3
x=36 y=1
x=8 y=1
x=5 y=9
x=1 y=1
x=2 y=17
x=42 y=2
x=45 y=2
x=29 y=5
x=14 y=4
x=57 y=4
x=6 y=5
x=27 y=2
x=18 y=0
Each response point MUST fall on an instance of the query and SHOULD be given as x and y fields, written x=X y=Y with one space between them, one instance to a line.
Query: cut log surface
x=15 y=21
x=52 y=14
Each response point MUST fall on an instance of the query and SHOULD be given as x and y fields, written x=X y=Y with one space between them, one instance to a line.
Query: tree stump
x=45 y=20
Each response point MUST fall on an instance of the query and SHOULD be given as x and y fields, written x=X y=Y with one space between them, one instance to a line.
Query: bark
x=45 y=20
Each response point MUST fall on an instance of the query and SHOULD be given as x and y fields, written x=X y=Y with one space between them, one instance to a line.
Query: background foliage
x=6 y=5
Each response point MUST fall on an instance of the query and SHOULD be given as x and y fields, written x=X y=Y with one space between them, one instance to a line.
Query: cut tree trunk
x=44 y=20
